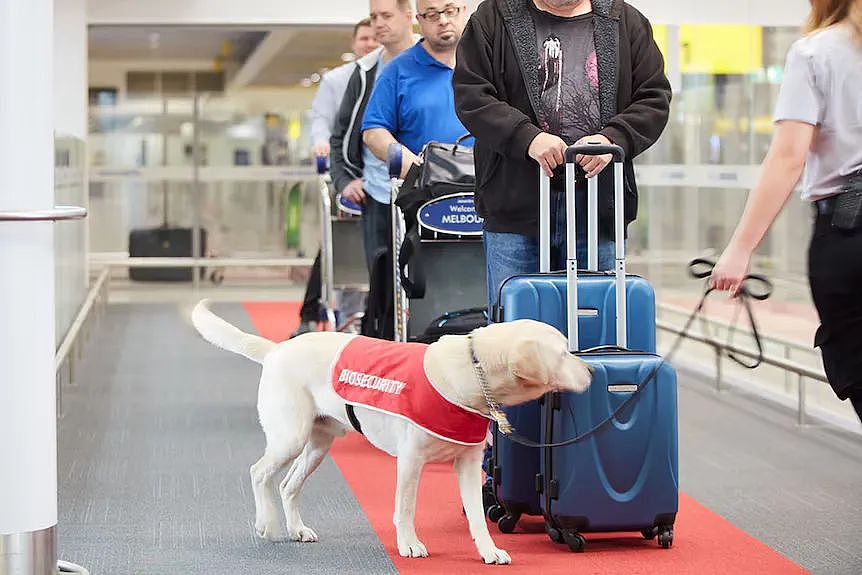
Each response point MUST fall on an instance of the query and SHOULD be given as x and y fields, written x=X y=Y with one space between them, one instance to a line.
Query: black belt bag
x=846 y=207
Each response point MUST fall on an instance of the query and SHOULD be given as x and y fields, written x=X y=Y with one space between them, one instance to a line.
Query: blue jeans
x=508 y=255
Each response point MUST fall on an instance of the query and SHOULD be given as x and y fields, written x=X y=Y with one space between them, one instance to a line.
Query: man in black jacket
x=534 y=76
x=356 y=173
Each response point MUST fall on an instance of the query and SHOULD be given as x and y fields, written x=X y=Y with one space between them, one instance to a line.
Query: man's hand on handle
x=354 y=192
x=593 y=165
x=409 y=159
x=547 y=150
x=321 y=150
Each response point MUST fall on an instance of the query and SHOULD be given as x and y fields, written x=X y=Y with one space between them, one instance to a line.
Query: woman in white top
x=818 y=127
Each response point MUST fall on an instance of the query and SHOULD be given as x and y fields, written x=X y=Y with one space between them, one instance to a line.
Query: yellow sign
x=714 y=48
x=294 y=127
x=720 y=48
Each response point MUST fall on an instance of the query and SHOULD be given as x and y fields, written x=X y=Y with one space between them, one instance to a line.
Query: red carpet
x=704 y=543
x=274 y=319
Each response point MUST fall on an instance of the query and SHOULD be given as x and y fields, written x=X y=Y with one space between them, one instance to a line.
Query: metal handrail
x=56 y=214
x=785 y=364
x=713 y=321
x=721 y=349
x=72 y=334
x=182 y=262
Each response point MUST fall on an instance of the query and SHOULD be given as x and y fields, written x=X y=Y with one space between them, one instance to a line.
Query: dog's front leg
x=409 y=470
x=468 y=468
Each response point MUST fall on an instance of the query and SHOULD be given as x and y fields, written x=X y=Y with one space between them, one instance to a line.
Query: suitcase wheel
x=665 y=537
x=507 y=523
x=649 y=533
x=496 y=512
x=489 y=499
x=574 y=540
x=554 y=533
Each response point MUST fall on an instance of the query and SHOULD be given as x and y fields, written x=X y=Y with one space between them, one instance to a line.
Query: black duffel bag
x=445 y=169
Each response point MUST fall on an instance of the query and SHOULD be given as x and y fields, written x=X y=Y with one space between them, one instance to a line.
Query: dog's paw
x=495 y=556
x=412 y=548
x=304 y=534
x=271 y=532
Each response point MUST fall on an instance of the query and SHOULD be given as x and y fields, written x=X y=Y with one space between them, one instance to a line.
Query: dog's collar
x=494 y=410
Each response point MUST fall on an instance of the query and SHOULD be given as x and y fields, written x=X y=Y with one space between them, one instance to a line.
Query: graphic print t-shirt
x=568 y=75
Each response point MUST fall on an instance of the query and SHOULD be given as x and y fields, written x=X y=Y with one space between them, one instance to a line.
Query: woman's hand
x=731 y=269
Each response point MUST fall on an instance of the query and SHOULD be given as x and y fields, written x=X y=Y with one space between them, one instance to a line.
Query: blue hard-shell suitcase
x=542 y=297
x=624 y=475
x=516 y=470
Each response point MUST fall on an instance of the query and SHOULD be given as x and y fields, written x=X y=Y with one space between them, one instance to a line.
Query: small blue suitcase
x=623 y=476
x=516 y=470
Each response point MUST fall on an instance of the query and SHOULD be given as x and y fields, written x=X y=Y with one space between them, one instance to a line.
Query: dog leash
x=754 y=286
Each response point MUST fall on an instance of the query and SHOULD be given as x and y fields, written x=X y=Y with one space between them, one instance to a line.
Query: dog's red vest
x=390 y=377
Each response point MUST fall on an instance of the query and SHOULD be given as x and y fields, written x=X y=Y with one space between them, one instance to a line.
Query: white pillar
x=28 y=424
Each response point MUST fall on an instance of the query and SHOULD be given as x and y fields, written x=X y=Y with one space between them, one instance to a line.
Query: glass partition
x=70 y=237
x=694 y=183
x=242 y=176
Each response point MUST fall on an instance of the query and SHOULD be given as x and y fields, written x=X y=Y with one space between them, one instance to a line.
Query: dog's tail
x=222 y=334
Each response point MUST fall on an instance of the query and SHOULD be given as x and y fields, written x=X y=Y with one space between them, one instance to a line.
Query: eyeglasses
x=449 y=11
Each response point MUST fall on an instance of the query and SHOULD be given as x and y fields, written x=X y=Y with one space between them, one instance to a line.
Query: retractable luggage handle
x=590 y=149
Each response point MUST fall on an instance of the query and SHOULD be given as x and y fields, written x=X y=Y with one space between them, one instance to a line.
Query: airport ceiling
x=257 y=57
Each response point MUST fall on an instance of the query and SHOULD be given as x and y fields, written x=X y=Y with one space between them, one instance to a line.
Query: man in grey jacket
x=355 y=170
x=327 y=101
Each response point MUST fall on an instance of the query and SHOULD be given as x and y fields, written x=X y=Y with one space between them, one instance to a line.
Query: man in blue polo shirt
x=413 y=102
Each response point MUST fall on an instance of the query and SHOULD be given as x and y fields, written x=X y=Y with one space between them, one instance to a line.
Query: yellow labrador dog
x=301 y=414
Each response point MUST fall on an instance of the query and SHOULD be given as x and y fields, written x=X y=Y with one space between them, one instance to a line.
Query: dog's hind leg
x=286 y=415
x=291 y=485
x=468 y=468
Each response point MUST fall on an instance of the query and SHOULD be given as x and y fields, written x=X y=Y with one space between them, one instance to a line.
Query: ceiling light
x=315 y=77
x=306 y=83
x=348 y=57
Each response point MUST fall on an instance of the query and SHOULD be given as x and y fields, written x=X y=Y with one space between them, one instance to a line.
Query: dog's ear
x=526 y=363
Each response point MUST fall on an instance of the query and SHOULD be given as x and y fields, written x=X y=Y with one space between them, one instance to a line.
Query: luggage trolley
x=453 y=258
x=343 y=275
x=401 y=303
